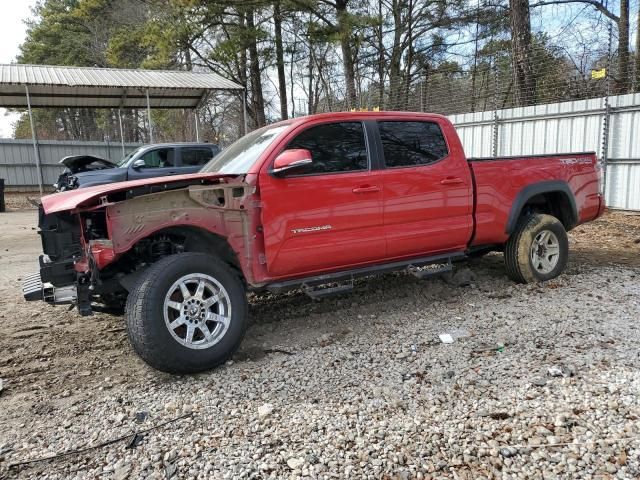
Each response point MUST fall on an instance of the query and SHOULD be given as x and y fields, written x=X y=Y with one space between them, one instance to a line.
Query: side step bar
x=316 y=293
x=443 y=264
x=430 y=270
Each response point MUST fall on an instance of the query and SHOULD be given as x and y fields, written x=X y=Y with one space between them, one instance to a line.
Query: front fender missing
x=219 y=209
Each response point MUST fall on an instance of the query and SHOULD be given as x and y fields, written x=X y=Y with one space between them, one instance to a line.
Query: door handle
x=451 y=181
x=366 y=189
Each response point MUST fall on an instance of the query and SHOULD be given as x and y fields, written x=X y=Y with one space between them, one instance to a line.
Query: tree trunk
x=254 y=74
x=381 y=66
x=292 y=84
x=624 y=77
x=282 y=81
x=409 y=21
x=396 y=58
x=523 y=74
x=344 y=30
x=638 y=51
x=310 y=81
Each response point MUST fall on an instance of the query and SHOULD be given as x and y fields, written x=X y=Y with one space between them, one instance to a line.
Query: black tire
x=150 y=335
x=518 y=250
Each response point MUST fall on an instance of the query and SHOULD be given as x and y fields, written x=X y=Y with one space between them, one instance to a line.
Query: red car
x=307 y=203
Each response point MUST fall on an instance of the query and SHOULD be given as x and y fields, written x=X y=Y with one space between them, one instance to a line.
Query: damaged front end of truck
x=98 y=241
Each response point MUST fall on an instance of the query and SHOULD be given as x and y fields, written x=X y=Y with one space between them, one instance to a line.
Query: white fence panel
x=565 y=127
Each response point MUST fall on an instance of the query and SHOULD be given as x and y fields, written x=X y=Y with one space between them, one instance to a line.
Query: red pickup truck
x=308 y=203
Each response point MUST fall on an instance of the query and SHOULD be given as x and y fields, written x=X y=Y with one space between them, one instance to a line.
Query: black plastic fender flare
x=530 y=191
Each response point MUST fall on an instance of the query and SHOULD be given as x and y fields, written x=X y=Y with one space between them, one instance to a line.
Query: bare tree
x=622 y=22
x=254 y=72
x=282 y=80
x=523 y=73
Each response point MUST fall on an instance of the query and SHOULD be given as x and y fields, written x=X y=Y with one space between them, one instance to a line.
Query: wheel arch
x=199 y=239
x=553 y=197
x=195 y=239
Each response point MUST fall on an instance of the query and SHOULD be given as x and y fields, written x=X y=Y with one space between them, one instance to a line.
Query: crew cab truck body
x=308 y=202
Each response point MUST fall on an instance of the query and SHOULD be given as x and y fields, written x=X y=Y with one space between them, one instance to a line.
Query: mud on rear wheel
x=187 y=313
x=537 y=250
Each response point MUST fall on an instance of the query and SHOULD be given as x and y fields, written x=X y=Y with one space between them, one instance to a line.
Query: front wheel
x=537 y=250
x=187 y=313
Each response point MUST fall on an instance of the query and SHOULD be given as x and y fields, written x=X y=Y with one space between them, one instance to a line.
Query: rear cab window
x=335 y=148
x=196 y=156
x=411 y=143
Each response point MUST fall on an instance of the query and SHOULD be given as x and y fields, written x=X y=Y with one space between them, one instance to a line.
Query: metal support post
x=195 y=116
x=244 y=111
x=35 y=141
x=149 y=118
x=121 y=132
x=607 y=117
x=496 y=120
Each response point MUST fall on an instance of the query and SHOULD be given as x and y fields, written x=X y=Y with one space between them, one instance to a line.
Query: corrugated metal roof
x=55 y=86
x=19 y=74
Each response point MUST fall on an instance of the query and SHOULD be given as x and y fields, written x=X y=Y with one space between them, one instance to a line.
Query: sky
x=12 y=33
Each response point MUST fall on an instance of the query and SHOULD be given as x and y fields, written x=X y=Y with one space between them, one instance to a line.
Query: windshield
x=242 y=154
x=124 y=161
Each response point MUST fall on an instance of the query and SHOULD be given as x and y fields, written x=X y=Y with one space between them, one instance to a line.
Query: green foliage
x=58 y=36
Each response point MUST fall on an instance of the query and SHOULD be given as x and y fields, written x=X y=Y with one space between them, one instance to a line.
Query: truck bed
x=501 y=184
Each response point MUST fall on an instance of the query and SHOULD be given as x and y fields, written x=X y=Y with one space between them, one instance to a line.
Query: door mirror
x=138 y=164
x=291 y=159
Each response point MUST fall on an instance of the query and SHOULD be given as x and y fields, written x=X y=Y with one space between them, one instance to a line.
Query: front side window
x=194 y=156
x=159 y=158
x=411 y=143
x=334 y=147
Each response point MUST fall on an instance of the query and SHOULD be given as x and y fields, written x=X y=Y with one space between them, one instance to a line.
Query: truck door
x=326 y=215
x=427 y=190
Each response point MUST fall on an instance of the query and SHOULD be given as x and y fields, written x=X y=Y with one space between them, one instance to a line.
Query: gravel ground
x=541 y=381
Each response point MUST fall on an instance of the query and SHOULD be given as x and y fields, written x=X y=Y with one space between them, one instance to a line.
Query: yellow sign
x=596 y=74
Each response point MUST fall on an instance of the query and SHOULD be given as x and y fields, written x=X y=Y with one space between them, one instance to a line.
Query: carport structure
x=46 y=86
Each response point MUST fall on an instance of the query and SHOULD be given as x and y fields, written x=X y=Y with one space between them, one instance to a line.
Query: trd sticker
x=576 y=161
x=311 y=229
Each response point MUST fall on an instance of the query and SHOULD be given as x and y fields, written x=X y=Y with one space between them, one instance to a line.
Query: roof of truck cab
x=363 y=115
x=178 y=144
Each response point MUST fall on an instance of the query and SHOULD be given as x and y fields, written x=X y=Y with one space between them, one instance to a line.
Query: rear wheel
x=187 y=313
x=537 y=250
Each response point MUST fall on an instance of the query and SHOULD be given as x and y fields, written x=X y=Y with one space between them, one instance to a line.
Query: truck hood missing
x=91 y=196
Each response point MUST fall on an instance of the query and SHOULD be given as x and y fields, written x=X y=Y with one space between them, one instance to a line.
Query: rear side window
x=194 y=156
x=334 y=147
x=411 y=143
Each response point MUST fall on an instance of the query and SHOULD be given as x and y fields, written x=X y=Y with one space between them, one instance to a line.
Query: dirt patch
x=15 y=201
x=614 y=238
